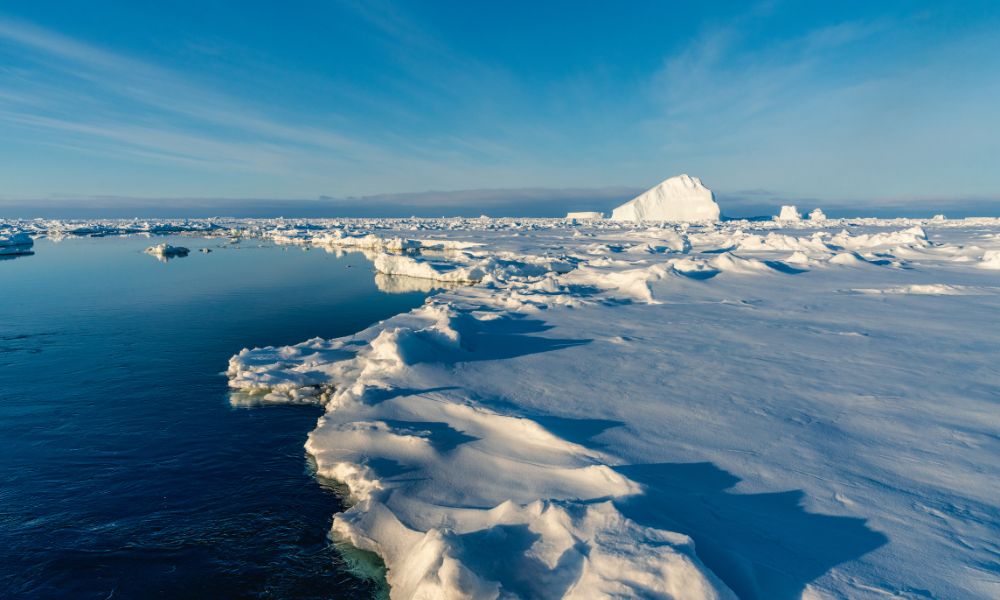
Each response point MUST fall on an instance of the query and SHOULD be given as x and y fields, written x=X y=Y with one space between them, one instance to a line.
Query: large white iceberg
x=680 y=198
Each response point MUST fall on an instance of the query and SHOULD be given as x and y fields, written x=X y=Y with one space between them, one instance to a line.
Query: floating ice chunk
x=789 y=213
x=166 y=251
x=680 y=198
x=817 y=215
x=585 y=215
x=15 y=243
x=939 y=218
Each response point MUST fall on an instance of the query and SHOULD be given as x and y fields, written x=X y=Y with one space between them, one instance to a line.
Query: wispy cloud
x=145 y=112
x=155 y=94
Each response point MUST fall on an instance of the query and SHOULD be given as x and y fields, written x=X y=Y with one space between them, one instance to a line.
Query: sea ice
x=671 y=411
x=609 y=409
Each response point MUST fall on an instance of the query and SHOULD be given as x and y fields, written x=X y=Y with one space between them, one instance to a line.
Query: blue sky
x=863 y=102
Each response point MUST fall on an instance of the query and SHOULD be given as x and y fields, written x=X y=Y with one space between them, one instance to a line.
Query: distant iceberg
x=788 y=213
x=585 y=215
x=681 y=198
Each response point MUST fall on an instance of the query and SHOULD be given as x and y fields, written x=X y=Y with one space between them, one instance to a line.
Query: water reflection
x=12 y=256
x=244 y=399
x=403 y=284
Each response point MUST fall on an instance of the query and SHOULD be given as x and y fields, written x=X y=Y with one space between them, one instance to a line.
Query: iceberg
x=789 y=213
x=587 y=214
x=817 y=215
x=679 y=199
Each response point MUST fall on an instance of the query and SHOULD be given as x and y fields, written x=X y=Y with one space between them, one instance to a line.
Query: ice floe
x=670 y=411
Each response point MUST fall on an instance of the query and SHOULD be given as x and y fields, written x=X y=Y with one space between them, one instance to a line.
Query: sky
x=446 y=104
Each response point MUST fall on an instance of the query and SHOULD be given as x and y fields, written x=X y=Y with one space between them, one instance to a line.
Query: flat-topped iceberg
x=679 y=199
x=586 y=214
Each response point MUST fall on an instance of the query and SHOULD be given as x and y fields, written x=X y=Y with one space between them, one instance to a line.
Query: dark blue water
x=124 y=470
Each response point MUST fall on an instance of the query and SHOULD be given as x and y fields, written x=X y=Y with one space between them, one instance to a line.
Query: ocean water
x=124 y=470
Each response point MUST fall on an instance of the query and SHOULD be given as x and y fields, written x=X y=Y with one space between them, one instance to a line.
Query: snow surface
x=678 y=199
x=759 y=409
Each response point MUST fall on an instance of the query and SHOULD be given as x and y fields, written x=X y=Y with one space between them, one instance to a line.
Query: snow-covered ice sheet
x=775 y=409
x=760 y=409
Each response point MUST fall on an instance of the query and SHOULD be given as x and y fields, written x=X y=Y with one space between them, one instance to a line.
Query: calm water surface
x=124 y=471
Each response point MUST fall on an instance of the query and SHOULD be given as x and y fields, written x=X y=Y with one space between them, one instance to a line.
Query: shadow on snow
x=761 y=545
